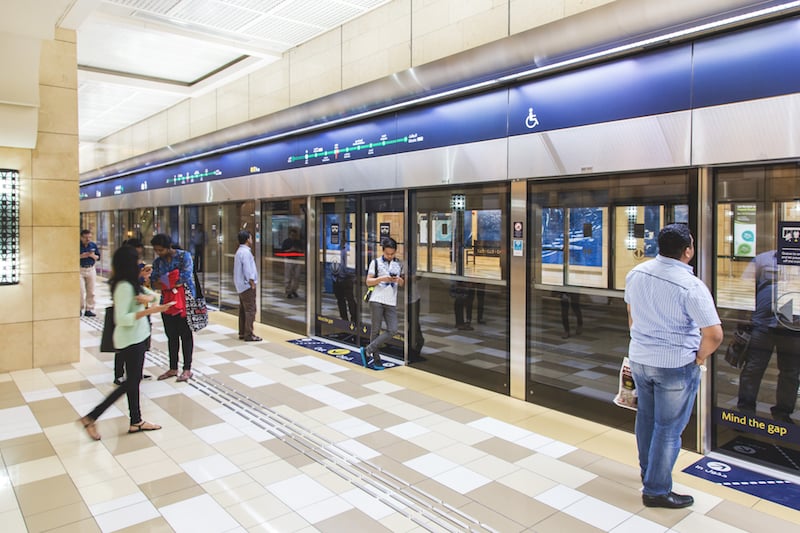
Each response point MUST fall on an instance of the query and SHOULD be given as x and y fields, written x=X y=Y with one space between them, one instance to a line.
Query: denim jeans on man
x=665 y=400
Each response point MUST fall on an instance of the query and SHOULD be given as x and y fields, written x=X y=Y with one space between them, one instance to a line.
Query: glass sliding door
x=284 y=264
x=234 y=217
x=457 y=289
x=757 y=284
x=586 y=235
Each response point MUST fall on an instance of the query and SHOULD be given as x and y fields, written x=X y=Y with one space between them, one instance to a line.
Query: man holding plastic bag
x=674 y=328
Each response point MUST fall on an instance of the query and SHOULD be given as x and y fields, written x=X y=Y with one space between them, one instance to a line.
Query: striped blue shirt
x=669 y=306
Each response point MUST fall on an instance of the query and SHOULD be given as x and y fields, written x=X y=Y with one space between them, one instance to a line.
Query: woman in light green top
x=131 y=333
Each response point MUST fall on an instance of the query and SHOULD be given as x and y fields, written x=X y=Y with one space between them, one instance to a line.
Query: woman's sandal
x=143 y=426
x=90 y=427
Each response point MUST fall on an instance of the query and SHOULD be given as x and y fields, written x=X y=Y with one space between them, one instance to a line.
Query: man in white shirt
x=245 y=276
x=385 y=274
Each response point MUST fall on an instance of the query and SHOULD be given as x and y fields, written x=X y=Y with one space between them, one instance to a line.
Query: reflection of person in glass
x=293 y=250
x=198 y=246
x=572 y=300
x=462 y=293
x=343 y=290
x=769 y=333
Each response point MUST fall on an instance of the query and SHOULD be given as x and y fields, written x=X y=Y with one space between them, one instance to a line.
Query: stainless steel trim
x=601 y=28
x=518 y=297
x=705 y=233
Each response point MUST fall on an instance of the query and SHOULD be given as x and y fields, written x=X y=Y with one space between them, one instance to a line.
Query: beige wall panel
x=432 y=46
x=55 y=249
x=56 y=341
x=573 y=7
x=269 y=89
x=58 y=111
x=18 y=302
x=140 y=137
x=55 y=203
x=203 y=114
x=157 y=132
x=429 y=16
x=56 y=55
x=527 y=14
x=315 y=68
x=178 y=122
x=26 y=263
x=54 y=295
x=377 y=44
x=56 y=157
x=484 y=27
x=233 y=103
x=17 y=346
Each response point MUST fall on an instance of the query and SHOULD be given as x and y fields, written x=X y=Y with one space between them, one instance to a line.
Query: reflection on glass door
x=458 y=319
x=209 y=218
x=340 y=285
x=283 y=268
x=758 y=294
x=585 y=236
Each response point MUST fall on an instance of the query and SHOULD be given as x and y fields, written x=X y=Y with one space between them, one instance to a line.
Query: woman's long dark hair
x=125 y=267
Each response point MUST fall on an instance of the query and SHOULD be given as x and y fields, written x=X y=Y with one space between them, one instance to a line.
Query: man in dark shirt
x=769 y=334
x=90 y=254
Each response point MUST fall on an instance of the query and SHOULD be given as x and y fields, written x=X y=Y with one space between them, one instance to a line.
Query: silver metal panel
x=466 y=163
x=601 y=28
x=747 y=131
x=518 y=297
x=641 y=143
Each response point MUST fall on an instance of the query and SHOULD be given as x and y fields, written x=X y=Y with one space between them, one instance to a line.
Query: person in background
x=131 y=335
x=173 y=275
x=199 y=241
x=767 y=335
x=343 y=289
x=144 y=281
x=386 y=275
x=674 y=328
x=292 y=248
x=245 y=277
x=90 y=254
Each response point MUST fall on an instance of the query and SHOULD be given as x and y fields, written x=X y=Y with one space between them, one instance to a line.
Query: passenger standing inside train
x=245 y=277
x=173 y=275
x=674 y=328
x=90 y=254
x=385 y=273
x=293 y=249
x=131 y=336
x=199 y=241
x=768 y=334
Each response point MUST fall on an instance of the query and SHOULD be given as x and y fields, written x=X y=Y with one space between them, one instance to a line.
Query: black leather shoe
x=669 y=501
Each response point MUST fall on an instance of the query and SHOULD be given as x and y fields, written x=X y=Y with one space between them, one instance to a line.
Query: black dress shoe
x=669 y=501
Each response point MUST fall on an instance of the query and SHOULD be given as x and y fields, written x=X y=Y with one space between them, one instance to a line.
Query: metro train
x=533 y=192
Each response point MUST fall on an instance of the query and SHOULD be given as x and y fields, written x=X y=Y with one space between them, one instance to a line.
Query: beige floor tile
x=68 y=514
x=563 y=427
x=744 y=518
x=38 y=469
x=166 y=485
x=154 y=471
x=621 y=473
x=187 y=411
x=778 y=511
x=36 y=448
x=259 y=510
x=563 y=523
x=492 y=467
x=350 y=520
x=227 y=483
x=518 y=507
x=176 y=496
x=527 y=482
x=707 y=524
x=13 y=522
x=580 y=458
x=60 y=491
x=241 y=493
x=560 y=472
x=616 y=494
x=506 y=408
x=156 y=525
x=108 y=490
x=144 y=456
x=443 y=493
x=613 y=444
x=53 y=411
x=502 y=448
x=88 y=525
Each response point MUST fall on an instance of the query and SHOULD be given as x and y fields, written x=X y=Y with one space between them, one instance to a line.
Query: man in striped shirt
x=674 y=328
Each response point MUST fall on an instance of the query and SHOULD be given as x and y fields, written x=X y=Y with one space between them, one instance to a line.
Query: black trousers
x=343 y=290
x=178 y=336
x=133 y=356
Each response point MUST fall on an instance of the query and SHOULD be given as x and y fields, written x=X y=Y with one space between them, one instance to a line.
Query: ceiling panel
x=139 y=57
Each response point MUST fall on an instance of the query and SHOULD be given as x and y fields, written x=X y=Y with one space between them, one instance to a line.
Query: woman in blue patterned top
x=173 y=275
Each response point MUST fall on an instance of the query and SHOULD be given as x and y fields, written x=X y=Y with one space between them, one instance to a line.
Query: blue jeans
x=665 y=399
